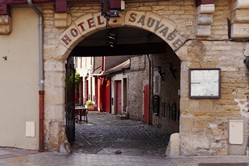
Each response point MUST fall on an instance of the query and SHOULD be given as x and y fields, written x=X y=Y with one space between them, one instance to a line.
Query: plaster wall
x=19 y=97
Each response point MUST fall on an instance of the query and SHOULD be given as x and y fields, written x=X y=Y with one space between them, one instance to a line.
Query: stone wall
x=137 y=78
x=203 y=123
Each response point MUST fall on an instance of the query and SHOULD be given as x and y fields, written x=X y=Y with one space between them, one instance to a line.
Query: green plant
x=89 y=103
x=77 y=78
x=73 y=79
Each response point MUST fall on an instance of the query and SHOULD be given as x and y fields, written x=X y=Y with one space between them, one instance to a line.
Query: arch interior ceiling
x=120 y=41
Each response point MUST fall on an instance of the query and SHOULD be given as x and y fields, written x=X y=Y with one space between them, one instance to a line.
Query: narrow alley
x=109 y=134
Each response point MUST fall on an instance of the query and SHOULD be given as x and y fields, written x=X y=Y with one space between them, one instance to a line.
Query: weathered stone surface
x=203 y=30
x=204 y=19
x=173 y=148
x=62 y=20
x=241 y=4
x=5 y=25
x=206 y=9
x=56 y=135
x=240 y=30
x=240 y=16
x=201 y=133
x=5 y=19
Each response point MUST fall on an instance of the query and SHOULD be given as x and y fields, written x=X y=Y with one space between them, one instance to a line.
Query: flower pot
x=91 y=108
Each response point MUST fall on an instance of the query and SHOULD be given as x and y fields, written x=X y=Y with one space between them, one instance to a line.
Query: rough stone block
x=54 y=65
x=241 y=4
x=53 y=112
x=5 y=19
x=203 y=30
x=173 y=148
x=204 y=19
x=186 y=124
x=60 y=23
x=55 y=52
x=240 y=16
x=206 y=9
x=194 y=144
x=240 y=30
x=206 y=106
x=5 y=25
x=5 y=29
x=55 y=95
x=62 y=20
x=60 y=16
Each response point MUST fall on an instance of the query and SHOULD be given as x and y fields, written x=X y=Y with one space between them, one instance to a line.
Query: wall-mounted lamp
x=110 y=8
x=5 y=58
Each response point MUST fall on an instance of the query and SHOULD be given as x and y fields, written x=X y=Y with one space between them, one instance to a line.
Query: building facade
x=204 y=34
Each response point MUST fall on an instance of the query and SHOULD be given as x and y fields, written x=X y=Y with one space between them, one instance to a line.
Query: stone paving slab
x=76 y=159
x=81 y=159
x=223 y=164
x=14 y=152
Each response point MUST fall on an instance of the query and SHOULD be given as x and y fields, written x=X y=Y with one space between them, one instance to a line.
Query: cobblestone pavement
x=107 y=134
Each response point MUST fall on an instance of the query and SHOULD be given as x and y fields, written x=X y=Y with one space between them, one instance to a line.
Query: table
x=81 y=111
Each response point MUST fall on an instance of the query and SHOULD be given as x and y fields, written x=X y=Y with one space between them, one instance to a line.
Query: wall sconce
x=110 y=8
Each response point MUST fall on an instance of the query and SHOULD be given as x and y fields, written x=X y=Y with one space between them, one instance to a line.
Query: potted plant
x=90 y=105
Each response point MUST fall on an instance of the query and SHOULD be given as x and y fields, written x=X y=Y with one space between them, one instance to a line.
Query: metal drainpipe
x=41 y=76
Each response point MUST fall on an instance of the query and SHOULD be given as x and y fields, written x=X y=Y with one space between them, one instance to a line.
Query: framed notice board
x=204 y=83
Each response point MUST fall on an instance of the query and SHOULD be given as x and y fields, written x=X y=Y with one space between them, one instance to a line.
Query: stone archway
x=84 y=26
x=90 y=23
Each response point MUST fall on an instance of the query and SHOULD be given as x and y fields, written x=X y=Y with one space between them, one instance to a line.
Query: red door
x=146 y=103
x=118 y=97
x=108 y=96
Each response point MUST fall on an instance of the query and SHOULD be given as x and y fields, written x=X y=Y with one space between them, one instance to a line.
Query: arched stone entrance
x=67 y=40
x=90 y=23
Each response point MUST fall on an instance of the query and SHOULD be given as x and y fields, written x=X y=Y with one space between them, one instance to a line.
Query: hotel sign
x=90 y=23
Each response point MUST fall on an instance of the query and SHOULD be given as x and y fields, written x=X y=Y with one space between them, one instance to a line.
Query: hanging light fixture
x=112 y=38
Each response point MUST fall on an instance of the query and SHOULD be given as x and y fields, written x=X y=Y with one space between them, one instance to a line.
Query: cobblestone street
x=107 y=134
